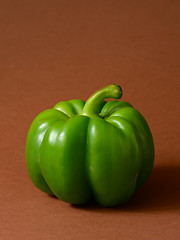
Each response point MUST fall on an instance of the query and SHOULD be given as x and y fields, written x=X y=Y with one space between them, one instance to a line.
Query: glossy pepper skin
x=98 y=150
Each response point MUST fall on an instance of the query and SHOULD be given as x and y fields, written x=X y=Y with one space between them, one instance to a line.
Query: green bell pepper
x=98 y=150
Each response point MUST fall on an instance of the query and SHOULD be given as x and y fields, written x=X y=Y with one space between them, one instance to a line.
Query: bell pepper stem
x=93 y=103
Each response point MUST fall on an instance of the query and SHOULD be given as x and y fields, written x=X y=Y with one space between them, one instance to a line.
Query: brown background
x=59 y=50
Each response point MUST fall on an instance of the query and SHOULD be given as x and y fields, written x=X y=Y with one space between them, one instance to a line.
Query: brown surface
x=59 y=50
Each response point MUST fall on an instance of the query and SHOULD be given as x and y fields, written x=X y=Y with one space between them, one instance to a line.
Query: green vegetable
x=78 y=151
